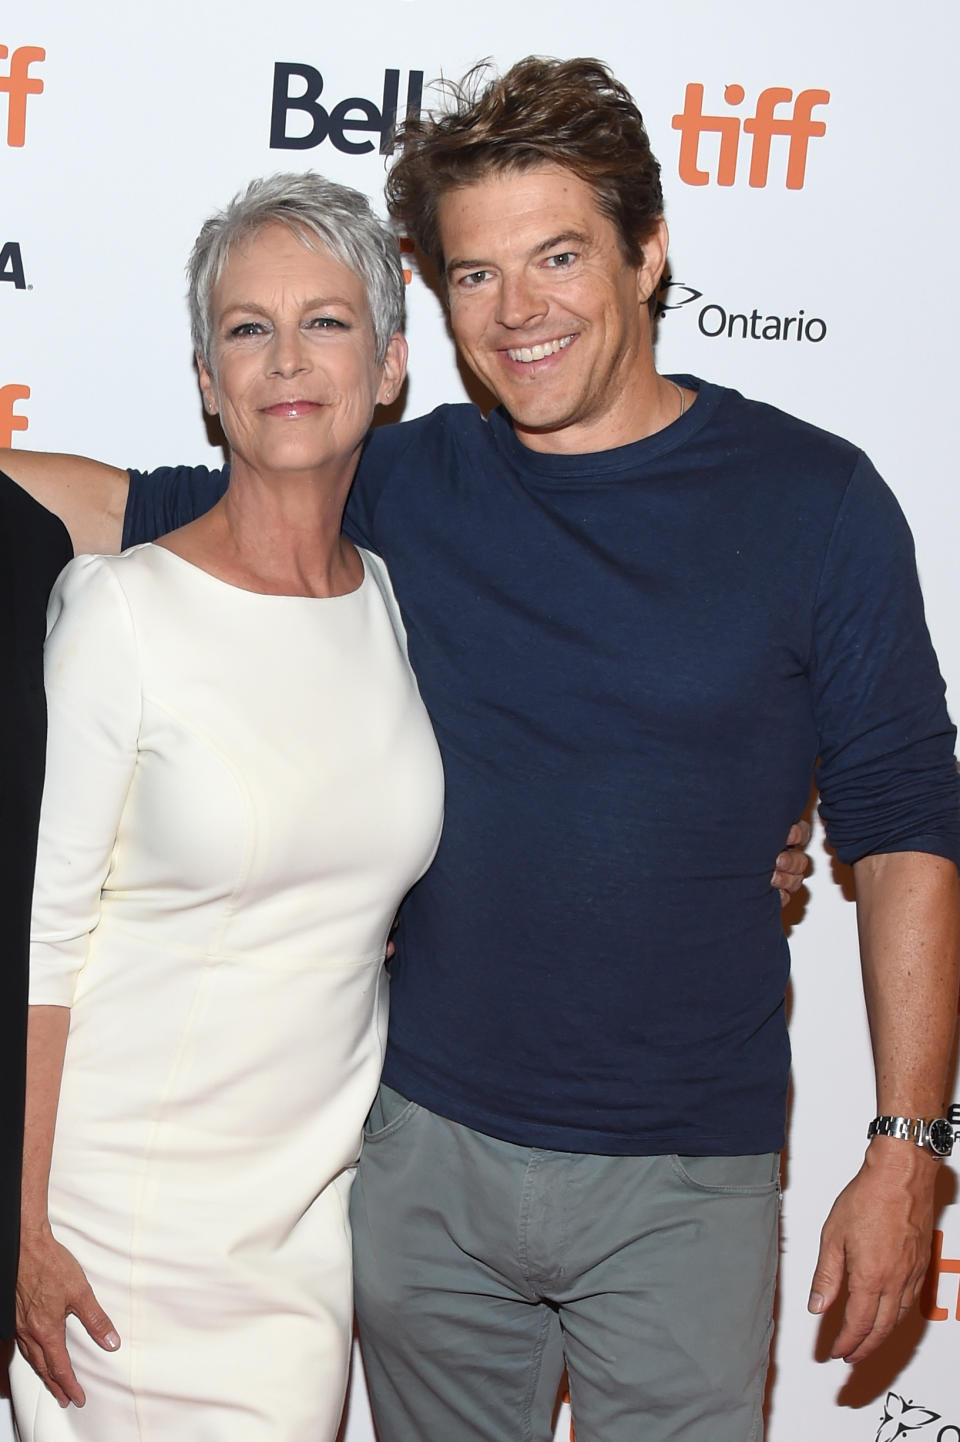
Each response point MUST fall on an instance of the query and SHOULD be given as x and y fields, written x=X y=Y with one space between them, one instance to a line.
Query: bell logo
x=798 y=125
x=17 y=84
x=9 y=422
x=348 y=117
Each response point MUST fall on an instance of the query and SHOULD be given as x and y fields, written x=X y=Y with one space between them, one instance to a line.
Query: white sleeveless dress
x=240 y=790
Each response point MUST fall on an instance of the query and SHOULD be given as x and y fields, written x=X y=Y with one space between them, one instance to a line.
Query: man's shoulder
x=435 y=427
x=426 y=453
x=759 y=426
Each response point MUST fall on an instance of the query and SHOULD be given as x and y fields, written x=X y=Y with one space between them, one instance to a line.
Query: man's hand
x=878 y=1233
x=793 y=863
x=50 y=1287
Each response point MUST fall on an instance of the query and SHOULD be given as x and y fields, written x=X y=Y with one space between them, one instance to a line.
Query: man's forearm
x=88 y=496
x=878 y=1230
x=908 y=916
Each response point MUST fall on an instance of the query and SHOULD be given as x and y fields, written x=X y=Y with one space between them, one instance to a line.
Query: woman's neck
x=277 y=535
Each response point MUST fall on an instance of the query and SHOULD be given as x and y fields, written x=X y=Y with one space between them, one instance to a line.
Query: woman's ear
x=393 y=370
x=208 y=388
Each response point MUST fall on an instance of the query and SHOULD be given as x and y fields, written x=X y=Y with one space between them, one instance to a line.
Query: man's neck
x=641 y=415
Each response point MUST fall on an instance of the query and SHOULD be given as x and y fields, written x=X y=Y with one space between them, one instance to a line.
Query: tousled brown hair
x=572 y=113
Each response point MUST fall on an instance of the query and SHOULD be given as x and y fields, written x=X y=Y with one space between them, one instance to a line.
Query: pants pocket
x=387 y=1115
x=750 y=1175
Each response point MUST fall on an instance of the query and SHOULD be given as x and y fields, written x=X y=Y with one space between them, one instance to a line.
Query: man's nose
x=520 y=302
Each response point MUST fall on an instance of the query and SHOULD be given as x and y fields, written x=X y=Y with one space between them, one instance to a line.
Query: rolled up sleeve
x=887 y=774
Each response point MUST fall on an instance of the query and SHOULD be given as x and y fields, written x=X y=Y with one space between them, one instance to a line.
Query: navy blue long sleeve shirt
x=633 y=660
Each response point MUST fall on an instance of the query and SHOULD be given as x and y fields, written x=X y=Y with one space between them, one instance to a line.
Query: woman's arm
x=92 y=679
x=50 y=1282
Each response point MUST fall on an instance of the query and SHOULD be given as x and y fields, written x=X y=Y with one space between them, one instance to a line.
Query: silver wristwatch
x=934 y=1134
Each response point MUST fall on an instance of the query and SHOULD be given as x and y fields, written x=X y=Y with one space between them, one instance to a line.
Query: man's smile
x=541 y=349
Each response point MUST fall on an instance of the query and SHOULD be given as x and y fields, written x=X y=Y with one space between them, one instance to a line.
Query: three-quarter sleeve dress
x=240 y=789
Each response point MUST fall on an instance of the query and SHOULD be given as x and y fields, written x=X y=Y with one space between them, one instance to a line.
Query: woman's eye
x=247 y=327
x=327 y=322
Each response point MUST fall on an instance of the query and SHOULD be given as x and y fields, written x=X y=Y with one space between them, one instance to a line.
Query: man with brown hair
x=637 y=606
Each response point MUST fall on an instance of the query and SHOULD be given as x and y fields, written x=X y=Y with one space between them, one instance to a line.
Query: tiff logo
x=9 y=421
x=17 y=84
x=798 y=125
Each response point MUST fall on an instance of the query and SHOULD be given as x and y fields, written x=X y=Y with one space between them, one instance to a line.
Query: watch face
x=940 y=1135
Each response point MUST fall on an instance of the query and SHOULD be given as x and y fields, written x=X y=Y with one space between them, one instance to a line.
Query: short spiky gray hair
x=320 y=213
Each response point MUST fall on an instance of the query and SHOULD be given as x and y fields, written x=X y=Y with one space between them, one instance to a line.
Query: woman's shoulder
x=375 y=571
x=94 y=581
x=90 y=609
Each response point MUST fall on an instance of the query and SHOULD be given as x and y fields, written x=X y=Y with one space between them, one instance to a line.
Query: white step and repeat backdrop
x=809 y=165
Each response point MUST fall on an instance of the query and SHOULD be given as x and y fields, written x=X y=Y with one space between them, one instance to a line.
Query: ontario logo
x=717 y=321
x=902 y=1418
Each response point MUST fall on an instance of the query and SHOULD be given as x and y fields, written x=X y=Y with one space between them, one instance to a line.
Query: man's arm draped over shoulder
x=88 y=496
x=105 y=508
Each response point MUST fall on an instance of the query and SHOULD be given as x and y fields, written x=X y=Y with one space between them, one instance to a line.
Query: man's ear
x=393 y=369
x=654 y=259
x=208 y=388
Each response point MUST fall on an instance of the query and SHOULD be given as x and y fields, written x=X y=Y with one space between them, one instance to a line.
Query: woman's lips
x=291 y=410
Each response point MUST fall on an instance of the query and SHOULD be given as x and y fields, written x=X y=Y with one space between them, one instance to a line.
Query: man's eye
x=562 y=260
x=474 y=277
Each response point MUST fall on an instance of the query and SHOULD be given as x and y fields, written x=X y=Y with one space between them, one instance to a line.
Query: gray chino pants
x=482 y=1268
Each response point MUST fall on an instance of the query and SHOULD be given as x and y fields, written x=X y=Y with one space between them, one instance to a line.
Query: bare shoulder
x=88 y=496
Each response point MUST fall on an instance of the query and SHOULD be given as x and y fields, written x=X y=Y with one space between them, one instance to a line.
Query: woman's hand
x=50 y=1287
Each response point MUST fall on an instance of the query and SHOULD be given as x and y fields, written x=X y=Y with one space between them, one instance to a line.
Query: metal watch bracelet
x=932 y=1134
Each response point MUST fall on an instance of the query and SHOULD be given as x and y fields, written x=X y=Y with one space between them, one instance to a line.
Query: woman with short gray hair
x=242 y=783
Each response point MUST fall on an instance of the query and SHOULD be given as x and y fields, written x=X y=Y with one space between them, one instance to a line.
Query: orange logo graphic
x=939 y=1266
x=9 y=421
x=798 y=125
x=406 y=248
x=18 y=84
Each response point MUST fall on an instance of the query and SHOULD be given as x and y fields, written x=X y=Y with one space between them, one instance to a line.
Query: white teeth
x=537 y=352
